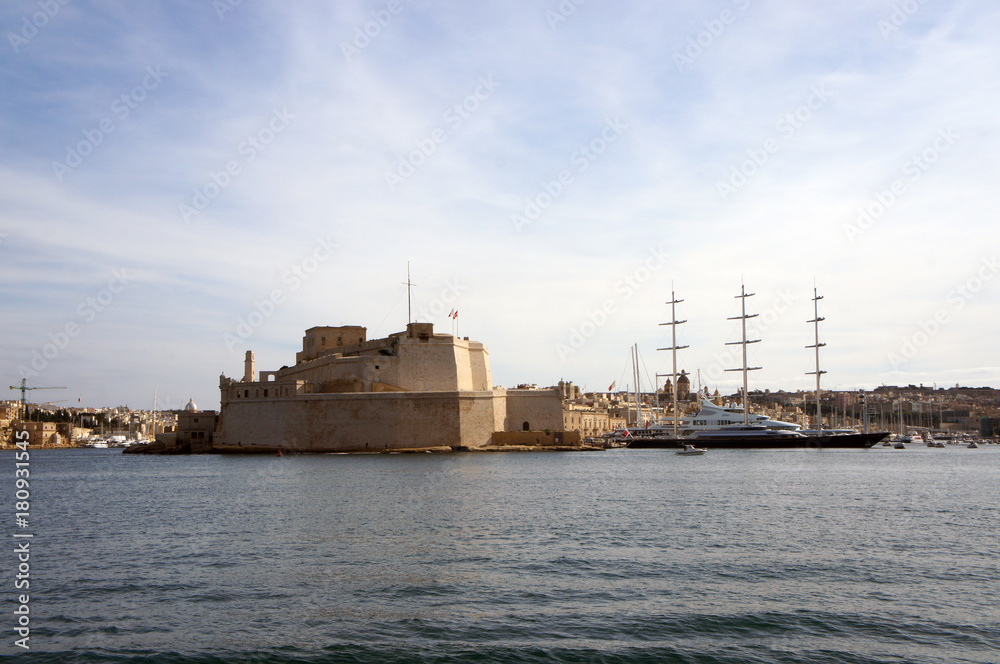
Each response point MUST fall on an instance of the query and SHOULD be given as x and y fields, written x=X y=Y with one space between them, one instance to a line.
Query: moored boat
x=752 y=437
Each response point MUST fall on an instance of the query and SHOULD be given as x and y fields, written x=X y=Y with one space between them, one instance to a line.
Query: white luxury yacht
x=711 y=417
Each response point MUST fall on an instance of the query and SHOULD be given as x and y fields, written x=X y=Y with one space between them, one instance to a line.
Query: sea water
x=788 y=556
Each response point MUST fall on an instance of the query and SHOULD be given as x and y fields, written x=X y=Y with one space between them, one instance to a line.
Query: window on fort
x=525 y=427
x=322 y=341
x=265 y=392
x=246 y=394
x=340 y=341
x=360 y=340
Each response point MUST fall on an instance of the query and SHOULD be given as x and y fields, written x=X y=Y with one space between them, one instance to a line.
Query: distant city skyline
x=182 y=182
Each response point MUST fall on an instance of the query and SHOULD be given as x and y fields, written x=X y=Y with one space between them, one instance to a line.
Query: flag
x=451 y=313
x=455 y=315
x=612 y=387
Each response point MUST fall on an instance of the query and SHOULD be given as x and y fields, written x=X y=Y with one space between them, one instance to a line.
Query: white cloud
x=325 y=176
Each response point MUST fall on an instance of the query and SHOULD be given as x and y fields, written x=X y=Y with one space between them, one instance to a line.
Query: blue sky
x=183 y=181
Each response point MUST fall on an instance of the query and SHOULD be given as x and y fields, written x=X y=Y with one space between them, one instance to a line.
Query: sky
x=183 y=181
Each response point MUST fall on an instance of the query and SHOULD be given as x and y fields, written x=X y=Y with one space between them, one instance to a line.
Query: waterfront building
x=42 y=433
x=412 y=389
x=590 y=422
x=195 y=428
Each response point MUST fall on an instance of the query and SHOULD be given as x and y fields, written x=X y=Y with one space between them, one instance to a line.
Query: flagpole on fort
x=409 y=304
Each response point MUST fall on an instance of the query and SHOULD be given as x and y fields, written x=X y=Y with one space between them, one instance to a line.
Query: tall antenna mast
x=817 y=345
x=409 y=303
x=743 y=317
x=673 y=344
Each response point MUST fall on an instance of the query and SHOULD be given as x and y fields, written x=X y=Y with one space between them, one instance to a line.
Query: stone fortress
x=411 y=390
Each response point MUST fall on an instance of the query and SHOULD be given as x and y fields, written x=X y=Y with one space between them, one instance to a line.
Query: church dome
x=191 y=407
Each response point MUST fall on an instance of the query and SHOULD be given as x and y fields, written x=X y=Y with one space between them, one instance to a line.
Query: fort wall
x=360 y=422
x=538 y=409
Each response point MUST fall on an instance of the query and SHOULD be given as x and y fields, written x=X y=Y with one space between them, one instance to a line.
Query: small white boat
x=691 y=450
x=973 y=445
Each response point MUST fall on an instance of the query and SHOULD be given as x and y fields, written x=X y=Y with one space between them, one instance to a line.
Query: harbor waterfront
x=869 y=555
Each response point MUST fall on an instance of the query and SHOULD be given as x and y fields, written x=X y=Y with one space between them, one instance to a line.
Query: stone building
x=683 y=387
x=10 y=410
x=412 y=389
x=666 y=395
x=196 y=428
x=590 y=422
x=42 y=433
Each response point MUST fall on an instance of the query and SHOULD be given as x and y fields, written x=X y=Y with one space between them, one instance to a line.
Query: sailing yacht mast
x=817 y=345
x=673 y=345
x=635 y=375
x=743 y=301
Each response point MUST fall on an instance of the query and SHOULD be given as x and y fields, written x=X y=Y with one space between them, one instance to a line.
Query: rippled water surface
x=786 y=556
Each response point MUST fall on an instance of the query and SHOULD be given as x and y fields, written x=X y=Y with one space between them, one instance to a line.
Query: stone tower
x=250 y=368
